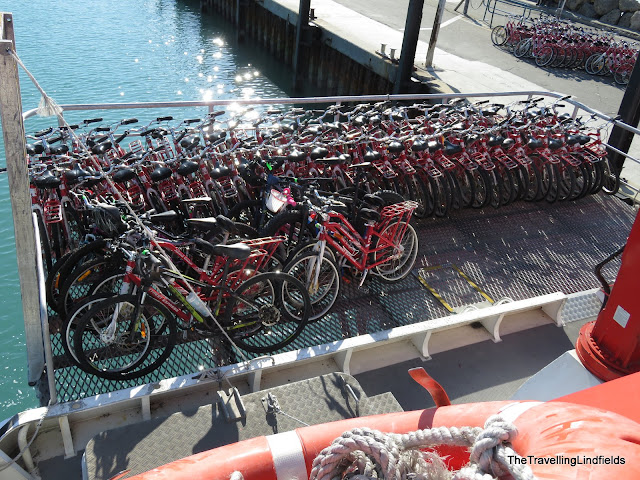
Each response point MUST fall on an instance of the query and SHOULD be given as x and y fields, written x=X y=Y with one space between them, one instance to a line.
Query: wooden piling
x=16 y=156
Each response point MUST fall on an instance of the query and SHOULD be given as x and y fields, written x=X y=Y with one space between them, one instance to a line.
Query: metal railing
x=577 y=108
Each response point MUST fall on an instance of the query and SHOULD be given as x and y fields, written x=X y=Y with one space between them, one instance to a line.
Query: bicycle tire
x=71 y=322
x=57 y=242
x=621 y=75
x=396 y=269
x=499 y=36
x=67 y=264
x=81 y=281
x=523 y=48
x=554 y=187
x=533 y=175
x=611 y=178
x=247 y=212
x=123 y=358
x=466 y=190
x=45 y=246
x=325 y=292
x=598 y=177
x=292 y=225
x=482 y=188
x=584 y=175
x=566 y=181
x=419 y=193
x=442 y=201
x=544 y=56
x=258 y=317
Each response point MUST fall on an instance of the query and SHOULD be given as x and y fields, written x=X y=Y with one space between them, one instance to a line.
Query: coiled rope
x=366 y=454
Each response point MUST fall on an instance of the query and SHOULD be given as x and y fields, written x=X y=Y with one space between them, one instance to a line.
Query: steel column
x=409 y=44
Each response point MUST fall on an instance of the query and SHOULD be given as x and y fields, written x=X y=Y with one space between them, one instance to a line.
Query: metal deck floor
x=519 y=251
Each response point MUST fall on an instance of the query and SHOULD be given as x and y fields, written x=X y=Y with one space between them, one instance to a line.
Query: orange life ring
x=558 y=440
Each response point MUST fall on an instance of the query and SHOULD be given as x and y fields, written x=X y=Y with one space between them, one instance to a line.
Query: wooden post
x=409 y=43
x=241 y=19
x=434 y=33
x=300 y=51
x=15 y=152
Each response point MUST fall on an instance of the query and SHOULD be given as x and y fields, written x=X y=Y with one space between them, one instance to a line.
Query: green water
x=115 y=51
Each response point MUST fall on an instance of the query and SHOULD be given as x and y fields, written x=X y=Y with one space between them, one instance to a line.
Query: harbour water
x=117 y=51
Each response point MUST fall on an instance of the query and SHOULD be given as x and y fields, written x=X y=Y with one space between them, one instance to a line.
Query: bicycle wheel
x=81 y=281
x=622 y=74
x=481 y=188
x=442 y=195
x=110 y=343
x=292 y=225
x=546 y=175
x=320 y=276
x=523 y=48
x=544 y=56
x=247 y=212
x=566 y=181
x=70 y=324
x=611 y=178
x=398 y=253
x=499 y=36
x=419 y=193
x=65 y=267
x=267 y=312
x=584 y=174
x=45 y=247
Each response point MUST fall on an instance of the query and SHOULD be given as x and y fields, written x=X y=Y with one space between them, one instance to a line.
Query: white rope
x=366 y=454
x=47 y=106
x=363 y=453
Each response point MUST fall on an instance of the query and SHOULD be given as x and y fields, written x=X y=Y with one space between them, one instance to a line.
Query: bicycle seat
x=451 y=149
x=360 y=165
x=374 y=200
x=508 y=142
x=434 y=146
x=319 y=152
x=495 y=141
x=419 y=146
x=73 y=176
x=161 y=173
x=239 y=251
x=206 y=223
x=535 y=143
x=47 y=180
x=296 y=156
x=330 y=160
x=35 y=148
x=202 y=200
x=187 y=167
x=225 y=223
x=368 y=214
x=189 y=142
x=59 y=150
x=219 y=172
x=372 y=156
x=555 y=143
x=395 y=147
x=164 y=217
x=215 y=136
x=124 y=175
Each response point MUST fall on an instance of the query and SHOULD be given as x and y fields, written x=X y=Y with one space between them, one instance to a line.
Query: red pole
x=609 y=347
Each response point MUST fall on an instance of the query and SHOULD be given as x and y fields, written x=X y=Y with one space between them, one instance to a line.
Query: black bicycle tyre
x=162 y=337
x=251 y=341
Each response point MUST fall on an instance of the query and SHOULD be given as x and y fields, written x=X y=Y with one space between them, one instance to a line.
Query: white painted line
x=448 y=22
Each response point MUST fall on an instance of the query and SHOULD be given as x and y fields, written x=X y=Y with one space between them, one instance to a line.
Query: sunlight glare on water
x=116 y=51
